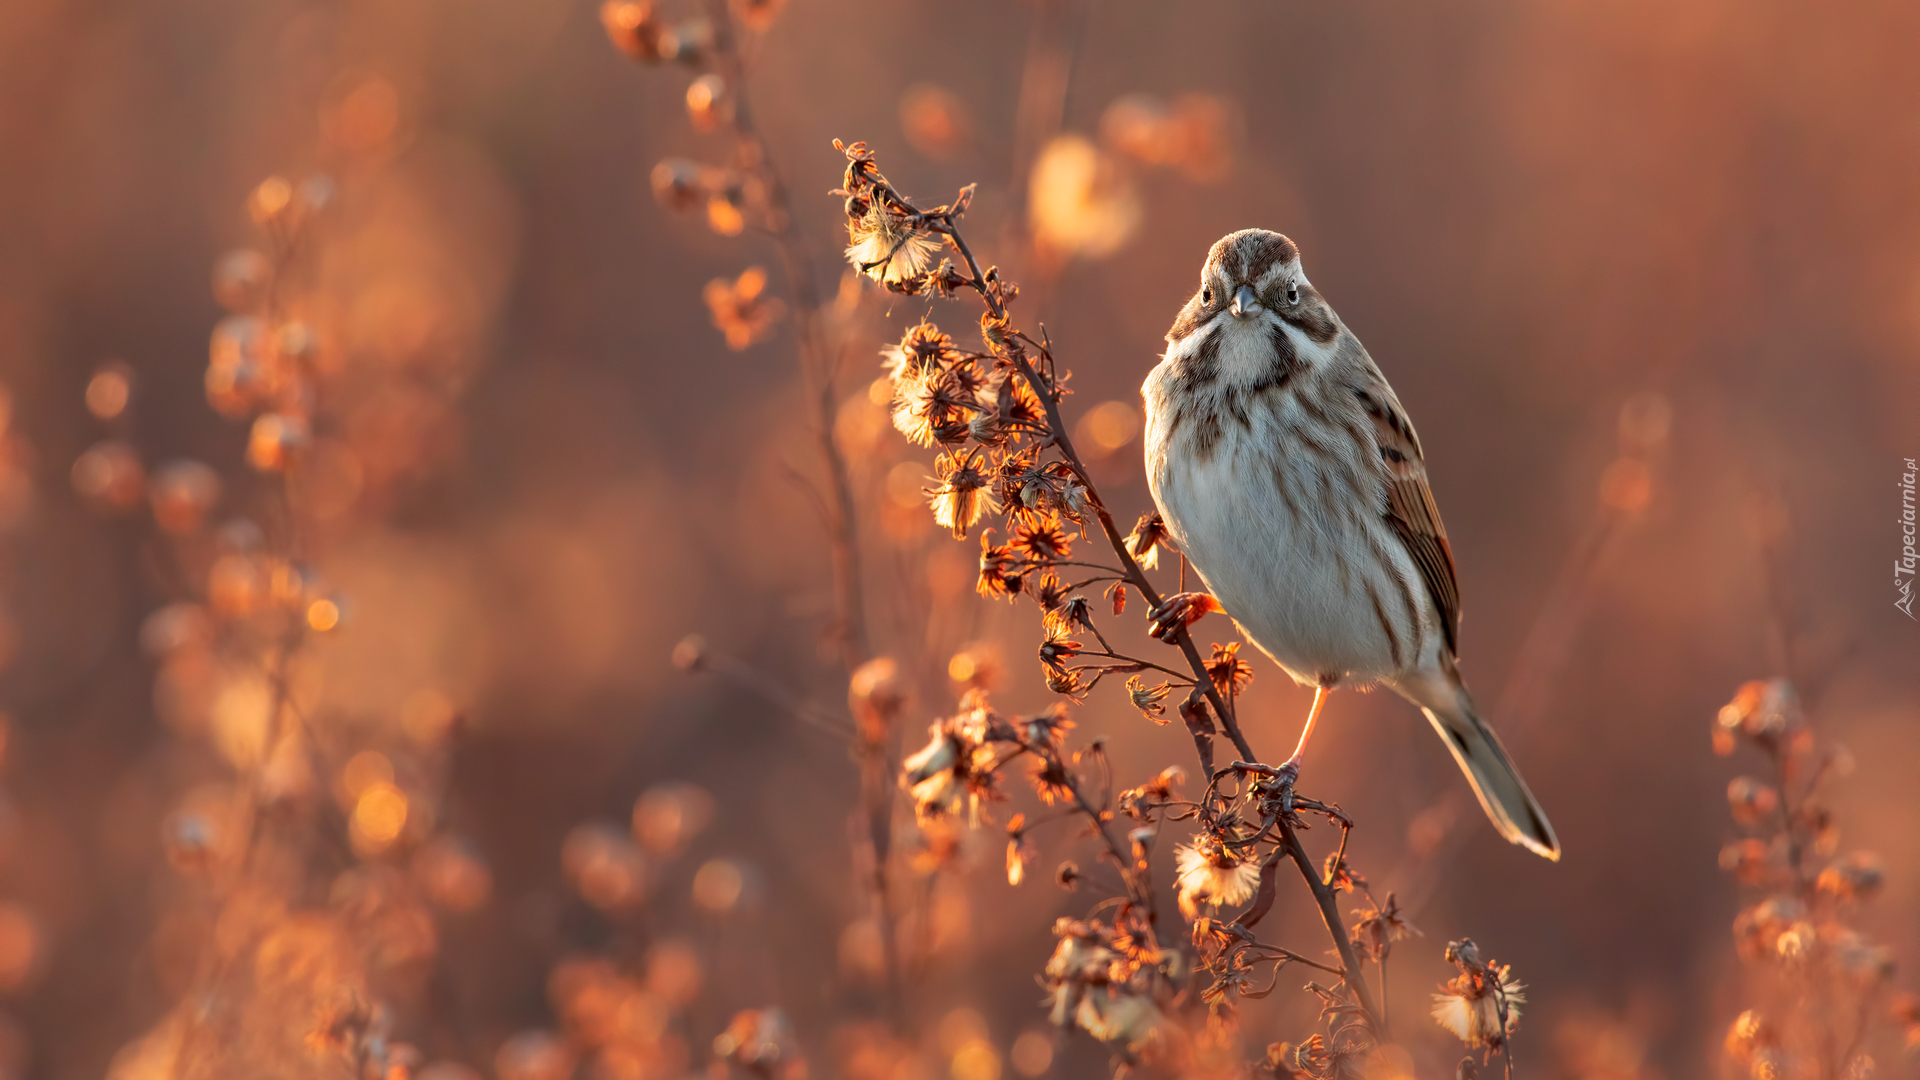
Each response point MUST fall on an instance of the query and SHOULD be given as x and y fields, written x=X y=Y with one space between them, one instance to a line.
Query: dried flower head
x=1855 y=957
x=1210 y=873
x=875 y=696
x=962 y=495
x=1229 y=673
x=687 y=42
x=1049 y=592
x=1377 y=926
x=1056 y=650
x=1141 y=803
x=1748 y=1034
x=740 y=308
x=1749 y=800
x=1481 y=1006
x=1148 y=698
x=762 y=1041
x=1113 y=1015
x=936 y=405
x=1750 y=861
x=1081 y=200
x=679 y=184
x=708 y=106
x=889 y=246
x=1042 y=540
x=922 y=348
x=1756 y=930
x=1000 y=575
x=1855 y=877
x=631 y=27
x=1763 y=712
x=955 y=770
x=1049 y=727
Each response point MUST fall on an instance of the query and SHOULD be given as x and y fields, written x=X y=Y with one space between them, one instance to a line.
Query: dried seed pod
x=631 y=27
x=708 y=106
x=1749 y=800
x=677 y=184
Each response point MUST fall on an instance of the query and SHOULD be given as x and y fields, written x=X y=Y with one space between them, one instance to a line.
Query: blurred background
x=1644 y=275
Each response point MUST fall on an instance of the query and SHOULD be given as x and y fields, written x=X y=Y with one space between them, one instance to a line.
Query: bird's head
x=1252 y=274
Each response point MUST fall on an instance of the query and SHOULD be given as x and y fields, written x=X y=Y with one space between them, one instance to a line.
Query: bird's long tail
x=1503 y=795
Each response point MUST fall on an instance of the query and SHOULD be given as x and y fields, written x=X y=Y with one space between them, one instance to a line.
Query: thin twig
x=1063 y=442
x=1336 y=929
x=817 y=371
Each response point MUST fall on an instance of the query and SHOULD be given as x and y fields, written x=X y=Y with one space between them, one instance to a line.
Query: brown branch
x=818 y=366
x=1330 y=913
x=943 y=221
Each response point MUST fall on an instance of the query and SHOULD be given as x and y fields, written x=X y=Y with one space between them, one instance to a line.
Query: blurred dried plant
x=278 y=980
x=1825 y=1004
x=748 y=191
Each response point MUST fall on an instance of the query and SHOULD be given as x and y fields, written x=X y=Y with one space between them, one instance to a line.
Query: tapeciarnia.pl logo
x=1903 y=567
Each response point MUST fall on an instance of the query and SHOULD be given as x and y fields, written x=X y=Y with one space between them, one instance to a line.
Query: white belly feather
x=1275 y=561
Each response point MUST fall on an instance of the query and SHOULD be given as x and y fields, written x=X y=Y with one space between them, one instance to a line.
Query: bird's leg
x=1179 y=611
x=1290 y=770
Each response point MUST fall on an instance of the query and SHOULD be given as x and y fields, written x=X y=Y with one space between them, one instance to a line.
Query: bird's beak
x=1244 y=302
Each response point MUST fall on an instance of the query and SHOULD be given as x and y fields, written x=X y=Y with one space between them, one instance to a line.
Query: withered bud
x=708 y=106
x=1746 y=860
x=276 y=439
x=1016 y=861
x=677 y=184
x=1148 y=698
x=689 y=42
x=1765 y=712
x=1465 y=955
x=1749 y=800
x=240 y=279
x=875 y=696
x=268 y=202
x=1855 y=877
x=984 y=428
x=997 y=331
x=631 y=27
x=1144 y=542
x=690 y=654
x=1062 y=681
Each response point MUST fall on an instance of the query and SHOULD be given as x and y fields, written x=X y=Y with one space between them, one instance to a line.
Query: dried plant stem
x=770 y=690
x=817 y=360
x=1064 y=443
x=1336 y=929
x=943 y=221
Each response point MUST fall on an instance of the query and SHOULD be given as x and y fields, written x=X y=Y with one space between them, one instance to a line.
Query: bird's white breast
x=1281 y=517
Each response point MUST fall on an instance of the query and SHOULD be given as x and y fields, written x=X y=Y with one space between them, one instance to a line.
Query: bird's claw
x=1179 y=611
x=1283 y=782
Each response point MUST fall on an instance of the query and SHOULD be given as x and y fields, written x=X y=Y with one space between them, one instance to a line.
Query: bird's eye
x=1293 y=293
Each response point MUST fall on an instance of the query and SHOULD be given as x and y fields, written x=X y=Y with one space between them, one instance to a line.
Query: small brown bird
x=1291 y=478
